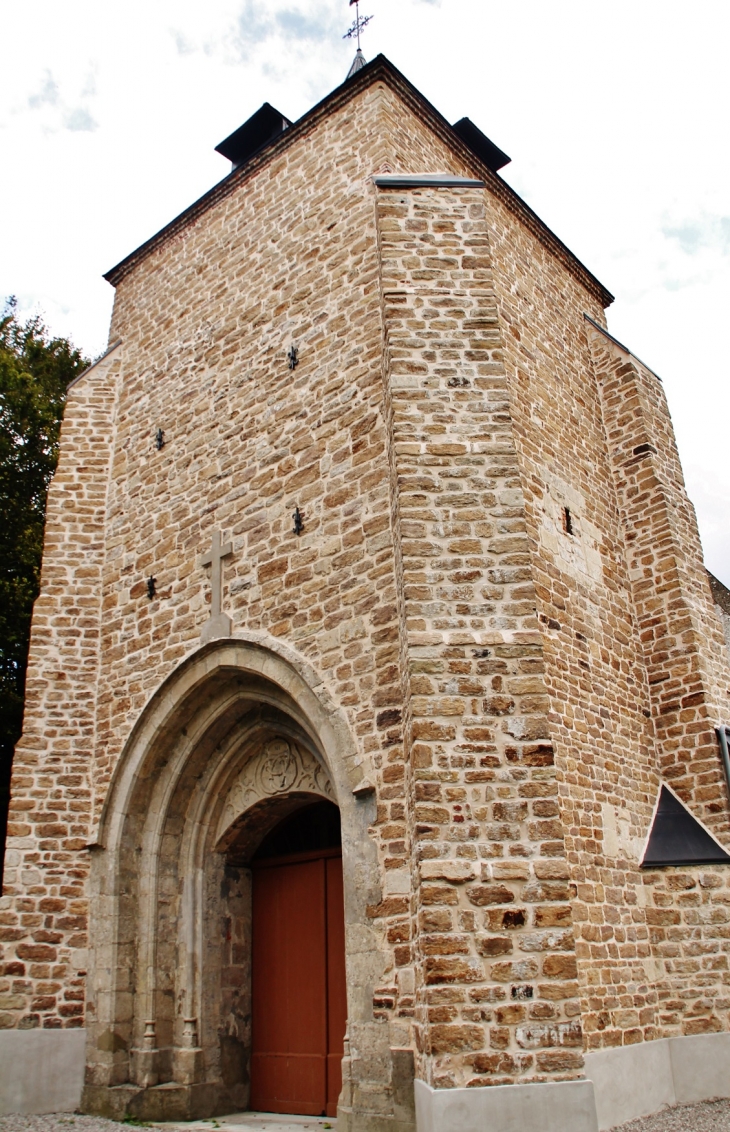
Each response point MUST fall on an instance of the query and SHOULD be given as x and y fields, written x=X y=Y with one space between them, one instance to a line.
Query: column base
x=144 y=1068
x=188 y=1065
x=170 y=1101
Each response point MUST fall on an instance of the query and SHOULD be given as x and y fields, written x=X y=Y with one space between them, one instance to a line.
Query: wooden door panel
x=336 y=982
x=299 y=991
x=289 y=974
x=289 y=1082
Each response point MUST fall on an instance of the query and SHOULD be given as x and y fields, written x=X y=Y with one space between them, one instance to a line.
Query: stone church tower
x=374 y=728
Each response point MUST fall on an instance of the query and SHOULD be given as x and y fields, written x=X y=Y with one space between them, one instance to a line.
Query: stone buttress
x=495 y=996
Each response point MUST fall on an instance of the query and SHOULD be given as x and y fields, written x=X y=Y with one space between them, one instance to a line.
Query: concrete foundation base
x=634 y=1081
x=561 y=1106
x=41 y=1070
x=620 y=1085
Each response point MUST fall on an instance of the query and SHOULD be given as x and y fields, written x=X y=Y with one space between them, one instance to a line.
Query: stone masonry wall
x=207 y=321
x=681 y=635
x=635 y=954
x=604 y=746
x=607 y=759
x=604 y=742
x=290 y=258
x=43 y=913
x=491 y=937
x=597 y=694
x=687 y=910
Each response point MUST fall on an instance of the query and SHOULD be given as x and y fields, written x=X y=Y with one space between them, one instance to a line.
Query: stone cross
x=219 y=623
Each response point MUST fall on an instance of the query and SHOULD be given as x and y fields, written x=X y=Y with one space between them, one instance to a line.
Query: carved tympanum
x=280 y=767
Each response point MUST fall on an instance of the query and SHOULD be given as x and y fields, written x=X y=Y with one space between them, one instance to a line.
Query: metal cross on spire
x=361 y=22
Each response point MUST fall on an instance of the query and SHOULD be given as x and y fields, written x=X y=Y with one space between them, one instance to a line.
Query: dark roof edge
x=621 y=346
x=696 y=862
x=424 y=181
x=720 y=592
x=379 y=68
x=109 y=350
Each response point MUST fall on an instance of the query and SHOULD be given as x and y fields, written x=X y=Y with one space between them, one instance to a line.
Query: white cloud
x=182 y=43
x=47 y=95
x=704 y=231
x=58 y=112
x=79 y=119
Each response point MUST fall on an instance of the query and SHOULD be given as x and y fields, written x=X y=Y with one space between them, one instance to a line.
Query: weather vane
x=361 y=22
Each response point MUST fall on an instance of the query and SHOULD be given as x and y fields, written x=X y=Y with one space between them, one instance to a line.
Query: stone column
x=188 y=1058
x=144 y=1067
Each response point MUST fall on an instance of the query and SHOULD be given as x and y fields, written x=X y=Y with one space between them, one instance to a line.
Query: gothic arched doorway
x=298 y=999
x=230 y=748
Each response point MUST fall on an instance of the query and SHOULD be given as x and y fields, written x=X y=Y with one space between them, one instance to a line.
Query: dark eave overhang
x=379 y=70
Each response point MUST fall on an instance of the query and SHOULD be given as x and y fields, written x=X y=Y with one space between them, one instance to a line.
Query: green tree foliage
x=35 y=370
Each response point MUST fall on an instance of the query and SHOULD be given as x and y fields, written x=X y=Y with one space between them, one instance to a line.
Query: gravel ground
x=60 y=1122
x=237 y=1122
x=710 y=1116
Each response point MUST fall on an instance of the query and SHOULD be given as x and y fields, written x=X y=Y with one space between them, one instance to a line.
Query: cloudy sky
x=616 y=117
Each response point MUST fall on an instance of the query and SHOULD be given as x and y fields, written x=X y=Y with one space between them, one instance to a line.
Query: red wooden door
x=336 y=981
x=299 y=1009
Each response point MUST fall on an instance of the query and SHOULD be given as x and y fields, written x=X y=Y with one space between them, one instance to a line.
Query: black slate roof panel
x=677 y=838
x=262 y=127
x=493 y=157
